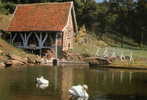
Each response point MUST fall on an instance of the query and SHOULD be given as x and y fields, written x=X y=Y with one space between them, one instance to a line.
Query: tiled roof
x=40 y=17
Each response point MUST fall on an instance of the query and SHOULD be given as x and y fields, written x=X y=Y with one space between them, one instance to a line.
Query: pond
x=103 y=84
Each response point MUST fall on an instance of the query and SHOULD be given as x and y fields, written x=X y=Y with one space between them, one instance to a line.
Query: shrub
x=10 y=7
x=7 y=8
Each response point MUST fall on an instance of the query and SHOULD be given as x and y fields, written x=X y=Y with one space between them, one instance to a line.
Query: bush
x=7 y=8
x=2 y=9
x=85 y=55
x=10 y=7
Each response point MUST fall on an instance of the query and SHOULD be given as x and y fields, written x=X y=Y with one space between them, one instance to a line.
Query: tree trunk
x=122 y=41
x=141 y=40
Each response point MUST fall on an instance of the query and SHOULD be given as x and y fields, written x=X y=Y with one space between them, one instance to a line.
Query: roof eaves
x=12 y=18
x=33 y=4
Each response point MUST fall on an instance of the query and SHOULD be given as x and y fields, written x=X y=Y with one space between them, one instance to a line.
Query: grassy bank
x=4 y=20
x=88 y=45
x=7 y=49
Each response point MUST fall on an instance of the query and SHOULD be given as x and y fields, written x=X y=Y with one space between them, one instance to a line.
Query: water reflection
x=111 y=77
x=79 y=98
x=121 y=76
x=66 y=82
x=55 y=75
x=104 y=84
x=41 y=86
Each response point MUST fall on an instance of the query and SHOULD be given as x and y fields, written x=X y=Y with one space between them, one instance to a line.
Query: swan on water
x=42 y=80
x=79 y=91
x=41 y=86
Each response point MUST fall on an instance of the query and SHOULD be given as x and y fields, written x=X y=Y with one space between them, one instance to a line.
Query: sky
x=99 y=0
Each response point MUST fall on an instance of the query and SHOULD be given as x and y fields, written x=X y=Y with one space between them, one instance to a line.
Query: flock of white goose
x=79 y=91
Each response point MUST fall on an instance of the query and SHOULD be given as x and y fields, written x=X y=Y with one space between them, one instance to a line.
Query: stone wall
x=68 y=34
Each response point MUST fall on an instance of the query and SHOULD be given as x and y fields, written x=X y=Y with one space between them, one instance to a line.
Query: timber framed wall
x=43 y=29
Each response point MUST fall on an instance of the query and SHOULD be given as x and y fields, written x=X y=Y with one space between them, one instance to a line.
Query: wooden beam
x=56 y=45
x=27 y=39
x=23 y=39
x=10 y=38
x=13 y=37
x=43 y=41
x=39 y=40
x=25 y=36
x=37 y=36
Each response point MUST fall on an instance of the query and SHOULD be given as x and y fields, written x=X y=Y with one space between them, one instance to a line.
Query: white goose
x=42 y=80
x=42 y=86
x=79 y=91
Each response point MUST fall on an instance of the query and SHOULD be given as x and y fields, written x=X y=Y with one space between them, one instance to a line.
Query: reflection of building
x=66 y=82
x=65 y=78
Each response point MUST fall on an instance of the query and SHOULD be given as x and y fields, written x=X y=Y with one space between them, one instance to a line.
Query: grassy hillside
x=4 y=20
x=7 y=49
x=87 y=45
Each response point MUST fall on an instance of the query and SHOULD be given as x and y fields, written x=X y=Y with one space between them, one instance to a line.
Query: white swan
x=41 y=86
x=42 y=80
x=79 y=91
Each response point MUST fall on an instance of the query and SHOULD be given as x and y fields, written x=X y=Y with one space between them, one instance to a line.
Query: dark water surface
x=104 y=84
